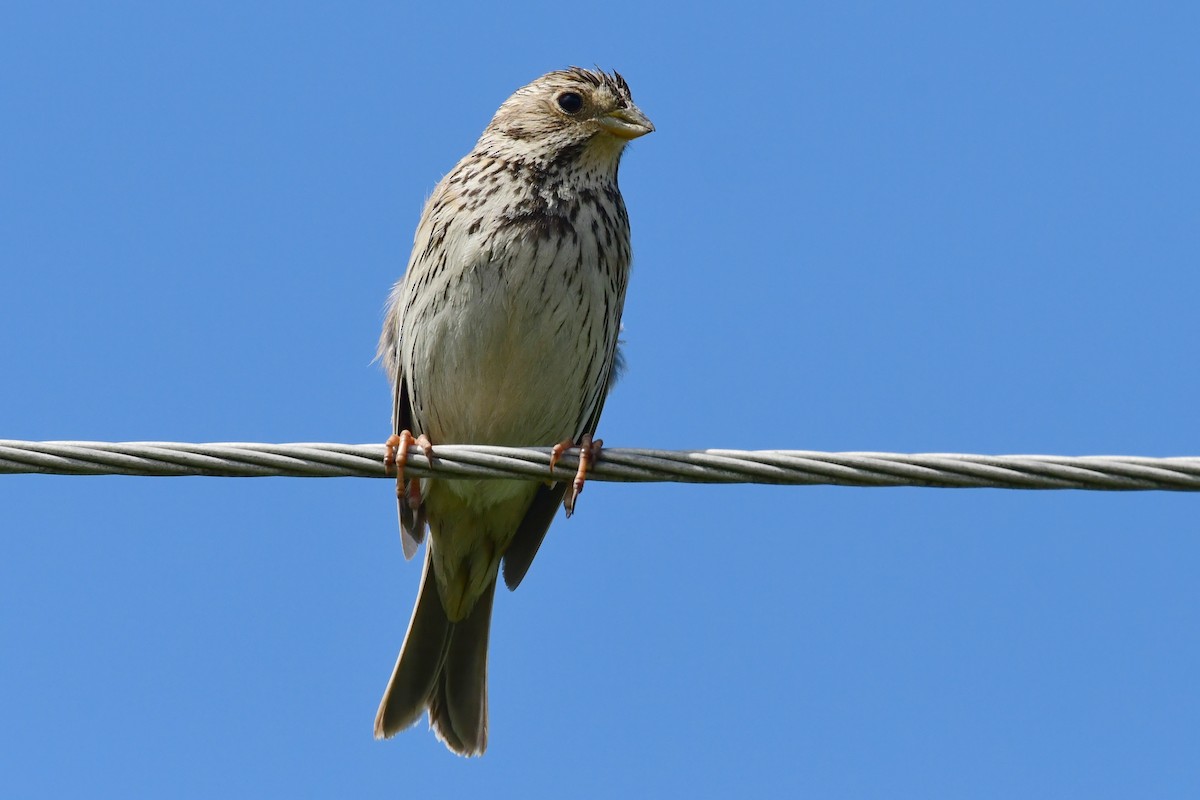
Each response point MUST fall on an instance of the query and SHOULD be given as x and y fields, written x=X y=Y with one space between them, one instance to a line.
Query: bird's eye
x=570 y=102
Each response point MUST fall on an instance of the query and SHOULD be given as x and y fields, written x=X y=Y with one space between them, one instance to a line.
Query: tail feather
x=458 y=711
x=443 y=668
x=420 y=661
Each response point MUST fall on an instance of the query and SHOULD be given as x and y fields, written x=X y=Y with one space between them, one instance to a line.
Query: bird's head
x=571 y=114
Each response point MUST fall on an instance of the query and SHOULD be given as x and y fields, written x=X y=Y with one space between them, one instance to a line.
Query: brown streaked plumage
x=503 y=331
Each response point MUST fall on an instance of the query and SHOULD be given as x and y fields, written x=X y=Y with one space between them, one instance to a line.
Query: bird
x=503 y=330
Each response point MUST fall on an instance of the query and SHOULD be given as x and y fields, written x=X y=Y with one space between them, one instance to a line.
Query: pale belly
x=505 y=358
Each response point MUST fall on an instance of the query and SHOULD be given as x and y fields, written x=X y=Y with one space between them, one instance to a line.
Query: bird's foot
x=396 y=458
x=589 y=451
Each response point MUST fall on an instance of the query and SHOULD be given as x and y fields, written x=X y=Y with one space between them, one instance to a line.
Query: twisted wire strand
x=791 y=467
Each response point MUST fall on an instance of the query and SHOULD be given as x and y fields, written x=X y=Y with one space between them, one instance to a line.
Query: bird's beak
x=626 y=123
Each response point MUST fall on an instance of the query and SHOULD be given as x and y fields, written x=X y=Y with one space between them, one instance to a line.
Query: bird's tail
x=442 y=667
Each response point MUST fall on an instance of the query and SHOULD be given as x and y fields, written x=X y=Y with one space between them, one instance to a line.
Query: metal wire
x=793 y=467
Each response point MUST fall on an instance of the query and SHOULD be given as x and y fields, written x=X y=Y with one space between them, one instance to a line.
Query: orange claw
x=396 y=457
x=589 y=451
x=389 y=452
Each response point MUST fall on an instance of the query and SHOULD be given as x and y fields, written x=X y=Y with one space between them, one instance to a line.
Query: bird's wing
x=412 y=520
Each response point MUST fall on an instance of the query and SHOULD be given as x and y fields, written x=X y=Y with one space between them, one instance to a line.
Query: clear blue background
x=924 y=227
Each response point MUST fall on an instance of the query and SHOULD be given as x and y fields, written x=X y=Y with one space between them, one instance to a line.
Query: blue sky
x=920 y=227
